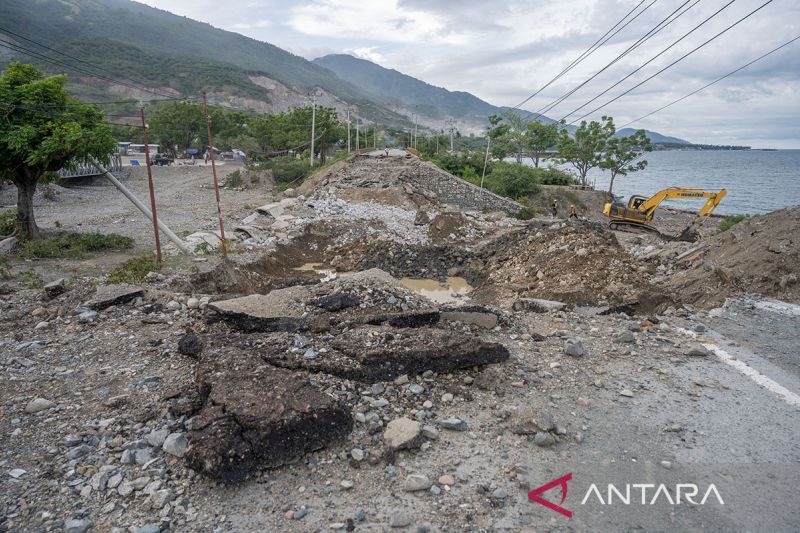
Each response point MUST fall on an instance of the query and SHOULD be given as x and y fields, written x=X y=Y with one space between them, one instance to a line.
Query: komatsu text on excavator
x=640 y=210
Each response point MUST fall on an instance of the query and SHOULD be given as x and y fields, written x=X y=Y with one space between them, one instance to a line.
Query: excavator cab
x=635 y=201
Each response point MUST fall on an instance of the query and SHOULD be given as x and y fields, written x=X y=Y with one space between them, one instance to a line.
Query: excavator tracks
x=634 y=227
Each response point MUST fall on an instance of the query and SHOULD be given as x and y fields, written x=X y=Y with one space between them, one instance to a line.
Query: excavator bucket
x=689 y=234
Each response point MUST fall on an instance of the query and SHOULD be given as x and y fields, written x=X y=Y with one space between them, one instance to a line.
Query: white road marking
x=787 y=395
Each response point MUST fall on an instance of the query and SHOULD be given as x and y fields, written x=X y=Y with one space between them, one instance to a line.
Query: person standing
x=554 y=208
x=573 y=211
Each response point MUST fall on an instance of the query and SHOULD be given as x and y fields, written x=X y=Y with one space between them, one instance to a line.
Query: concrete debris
x=108 y=295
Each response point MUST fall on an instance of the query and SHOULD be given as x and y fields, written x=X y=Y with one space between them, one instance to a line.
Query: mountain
x=407 y=92
x=435 y=104
x=173 y=55
x=653 y=136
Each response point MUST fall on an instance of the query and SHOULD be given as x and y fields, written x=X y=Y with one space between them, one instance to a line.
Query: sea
x=758 y=181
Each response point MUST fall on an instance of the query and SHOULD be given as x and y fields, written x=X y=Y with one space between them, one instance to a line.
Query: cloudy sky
x=505 y=50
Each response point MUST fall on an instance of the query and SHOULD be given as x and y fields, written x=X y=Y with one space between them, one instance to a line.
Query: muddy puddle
x=453 y=291
x=326 y=273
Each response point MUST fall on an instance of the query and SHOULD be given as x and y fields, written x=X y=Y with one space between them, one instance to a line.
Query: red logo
x=562 y=482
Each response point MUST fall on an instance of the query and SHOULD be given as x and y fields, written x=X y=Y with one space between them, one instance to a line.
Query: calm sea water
x=757 y=181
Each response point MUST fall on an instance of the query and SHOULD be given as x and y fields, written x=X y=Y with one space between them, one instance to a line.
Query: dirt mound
x=758 y=255
x=451 y=226
x=578 y=263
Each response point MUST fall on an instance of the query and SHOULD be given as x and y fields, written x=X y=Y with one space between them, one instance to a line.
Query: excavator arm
x=714 y=198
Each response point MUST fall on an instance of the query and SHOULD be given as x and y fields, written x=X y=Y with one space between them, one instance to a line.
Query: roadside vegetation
x=730 y=221
x=73 y=245
x=134 y=270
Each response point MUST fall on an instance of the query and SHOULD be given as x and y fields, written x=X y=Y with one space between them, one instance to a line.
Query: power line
x=589 y=51
x=141 y=85
x=36 y=55
x=706 y=86
x=676 y=61
x=32 y=53
x=640 y=67
x=669 y=19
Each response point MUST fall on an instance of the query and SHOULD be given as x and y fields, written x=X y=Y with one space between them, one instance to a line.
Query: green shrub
x=526 y=213
x=74 y=245
x=233 y=180
x=289 y=170
x=134 y=270
x=49 y=193
x=5 y=270
x=513 y=179
x=8 y=222
x=730 y=221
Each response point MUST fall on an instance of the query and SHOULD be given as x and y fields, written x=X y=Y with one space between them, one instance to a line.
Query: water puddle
x=455 y=290
x=327 y=274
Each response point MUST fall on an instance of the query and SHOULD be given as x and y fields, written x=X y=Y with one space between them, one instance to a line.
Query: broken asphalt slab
x=108 y=295
x=255 y=415
x=367 y=353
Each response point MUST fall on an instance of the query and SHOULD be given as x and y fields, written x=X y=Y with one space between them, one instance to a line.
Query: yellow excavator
x=640 y=210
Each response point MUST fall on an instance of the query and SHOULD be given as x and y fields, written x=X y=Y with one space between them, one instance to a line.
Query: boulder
x=402 y=433
x=538 y=305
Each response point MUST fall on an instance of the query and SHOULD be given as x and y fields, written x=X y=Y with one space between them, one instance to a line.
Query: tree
x=540 y=137
x=43 y=130
x=584 y=150
x=621 y=153
x=516 y=133
x=500 y=145
x=180 y=124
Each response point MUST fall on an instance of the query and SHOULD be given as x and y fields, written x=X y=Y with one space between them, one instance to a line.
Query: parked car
x=161 y=160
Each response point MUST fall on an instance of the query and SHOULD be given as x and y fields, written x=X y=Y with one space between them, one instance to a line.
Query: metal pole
x=216 y=183
x=150 y=186
x=358 y=141
x=313 y=125
x=486 y=159
x=141 y=207
x=348 y=131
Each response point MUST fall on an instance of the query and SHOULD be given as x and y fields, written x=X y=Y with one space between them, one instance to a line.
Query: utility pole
x=486 y=159
x=348 y=131
x=313 y=124
x=216 y=183
x=358 y=141
x=150 y=185
x=451 y=135
x=414 y=138
x=375 y=136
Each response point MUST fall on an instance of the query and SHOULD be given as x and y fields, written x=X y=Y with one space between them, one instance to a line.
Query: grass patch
x=74 y=245
x=31 y=279
x=134 y=270
x=729 y=222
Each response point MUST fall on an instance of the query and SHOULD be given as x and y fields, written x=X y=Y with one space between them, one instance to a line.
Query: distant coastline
x=691 y=146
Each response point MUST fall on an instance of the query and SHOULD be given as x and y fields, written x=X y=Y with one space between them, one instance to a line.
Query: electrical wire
x=669 y=19
x=640 y=67
x=589 y=51
x=36 y=55
x=674 y=62
x=92 y=65
x=706 y=86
